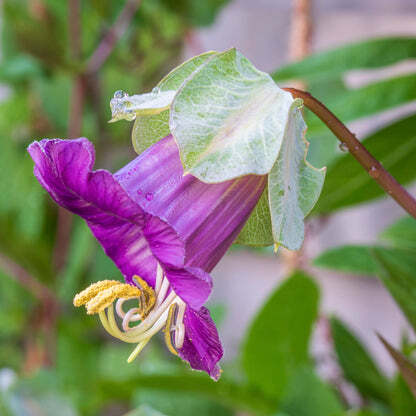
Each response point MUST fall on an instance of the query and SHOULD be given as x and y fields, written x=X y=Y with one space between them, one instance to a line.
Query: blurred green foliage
x=276 y=373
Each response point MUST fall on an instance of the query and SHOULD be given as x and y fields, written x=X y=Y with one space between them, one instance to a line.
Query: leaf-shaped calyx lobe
x=229 y=120
x=151 y=111
x=294 y=185
x=126 y=107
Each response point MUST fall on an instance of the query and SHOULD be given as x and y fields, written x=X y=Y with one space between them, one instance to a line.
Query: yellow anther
x=148 y=297
x=107 y=296
x=91 y=291
x=168 y=333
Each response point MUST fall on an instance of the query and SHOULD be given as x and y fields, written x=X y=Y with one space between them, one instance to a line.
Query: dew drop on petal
x=139 y=192
x=149 y=196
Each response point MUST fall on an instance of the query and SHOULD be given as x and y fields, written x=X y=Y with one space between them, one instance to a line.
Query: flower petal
x=127 y=234
x=202 y=347
x=164 y=242
x=191 y=284
x=208 y=217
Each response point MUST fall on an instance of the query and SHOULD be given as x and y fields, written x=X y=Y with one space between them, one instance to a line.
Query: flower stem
x=374 y=168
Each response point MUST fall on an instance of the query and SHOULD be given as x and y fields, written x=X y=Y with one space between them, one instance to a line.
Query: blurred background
x=61 y=62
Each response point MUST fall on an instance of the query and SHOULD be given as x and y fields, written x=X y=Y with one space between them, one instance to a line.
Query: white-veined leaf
x=229 y=119
x=294 y=184
x=150 y=128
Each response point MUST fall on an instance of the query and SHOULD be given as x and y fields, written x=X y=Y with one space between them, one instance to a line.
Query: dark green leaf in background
x=406 y=367
x=197 y=13
x=349 y=259
x=402 y=400
x=307 y=395
x=398 y=273
x=401 y=234
x=277 y=342
x=347 y=183
x=365 y=101
x=367 y=54
x=357 y=365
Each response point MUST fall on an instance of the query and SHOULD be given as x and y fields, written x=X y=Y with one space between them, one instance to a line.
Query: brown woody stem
x=374 y=168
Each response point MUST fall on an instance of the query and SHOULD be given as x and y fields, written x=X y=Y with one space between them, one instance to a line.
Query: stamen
x=137 y=350
x=168 y=328
x=147 y=298
x=121 y=314
x=163 y=290
x=106 y=297
x=155 y=309
x=153 y=316
x=91 y=291
x=130 y=316
x=159 y=278
x=179 y=326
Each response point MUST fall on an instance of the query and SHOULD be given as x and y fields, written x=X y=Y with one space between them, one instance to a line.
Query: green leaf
x=406 y=368
x=197 y=13
x=127 y=107
x=357 y=364
x=367 y=54
x=149 y=129
x=294 y=185
x=19 y=68
x=229 y=119
x=258 y=229
x=175 y=78
x=349 y=259
x=401 y=234
x=403 y=401
x=368 y=100
x=307 y=395
x=277 y=342
x=398 y=273
x=349 y=184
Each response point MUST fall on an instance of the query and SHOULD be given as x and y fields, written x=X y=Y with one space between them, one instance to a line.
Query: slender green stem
x=374 y=168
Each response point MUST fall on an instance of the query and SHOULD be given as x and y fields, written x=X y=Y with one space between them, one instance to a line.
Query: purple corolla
x=164 y=231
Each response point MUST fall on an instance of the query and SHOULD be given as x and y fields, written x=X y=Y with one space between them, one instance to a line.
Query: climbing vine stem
x=374 y=168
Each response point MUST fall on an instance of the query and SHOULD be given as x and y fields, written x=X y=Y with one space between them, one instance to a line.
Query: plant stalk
x=374 y=168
